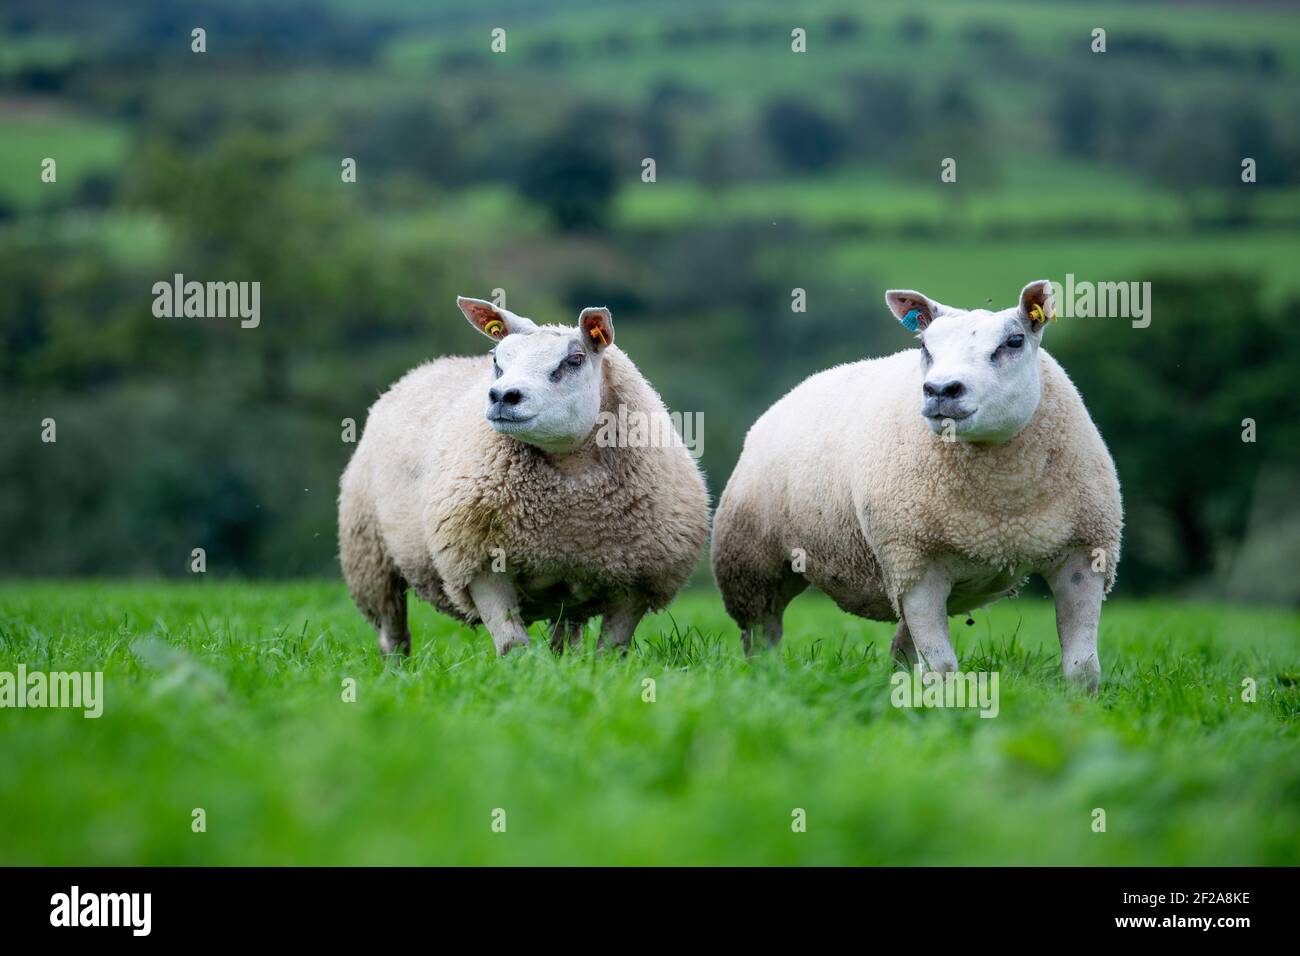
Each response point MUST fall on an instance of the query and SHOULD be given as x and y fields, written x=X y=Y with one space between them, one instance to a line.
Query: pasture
x=228 y=697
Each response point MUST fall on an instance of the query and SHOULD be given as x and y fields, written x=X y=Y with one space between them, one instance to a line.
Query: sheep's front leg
x=618 y=625
x=925 y=618
x=1078 y=591
x=497 y=604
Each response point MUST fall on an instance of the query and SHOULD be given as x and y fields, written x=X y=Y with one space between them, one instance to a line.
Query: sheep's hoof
x=394 y=647
x=1089 y=686
x=507 y=645
x=1083 y=675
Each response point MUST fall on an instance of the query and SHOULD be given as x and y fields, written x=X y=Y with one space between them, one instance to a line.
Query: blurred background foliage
x=522 y=171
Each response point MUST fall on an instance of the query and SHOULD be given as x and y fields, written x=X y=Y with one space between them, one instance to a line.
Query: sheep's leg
x=376 y=586
x=497 y=604
x=925 y=615
x=566 y=631
x=768 y=631
x=902 y=646
x=1078 y=591
x=618 y=625
x=770 y=626
x=559 y=629
x=394 y=635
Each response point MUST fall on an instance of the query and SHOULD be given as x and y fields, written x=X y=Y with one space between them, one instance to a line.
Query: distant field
x=710 y=45
x=78 y=146
x=1041 y=195
x=873 y=199
x=966 y=271
x=227 y=697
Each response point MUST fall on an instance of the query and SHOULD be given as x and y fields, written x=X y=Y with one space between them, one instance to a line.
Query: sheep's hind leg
x=925 y=615
x=497 y=604
x=619 y=624
x=559 y=630
x=565 y=631
x=766 y=632
x=769 y=628
x=375 y=584
x=1078 y=591
x=394 y=635
x=902 y=647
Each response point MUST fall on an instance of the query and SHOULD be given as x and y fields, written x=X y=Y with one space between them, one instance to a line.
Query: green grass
x=1026 y=196
x=1044 y=35
x=968 y=269
x=79 y=146
x=227 y=696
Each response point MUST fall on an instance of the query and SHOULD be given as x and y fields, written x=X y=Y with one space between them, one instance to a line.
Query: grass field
x=227 y=696
x=79 y=146
x=708 y=45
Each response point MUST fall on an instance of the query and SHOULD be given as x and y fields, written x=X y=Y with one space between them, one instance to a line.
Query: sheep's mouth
x=500 y=420
x=943 y=416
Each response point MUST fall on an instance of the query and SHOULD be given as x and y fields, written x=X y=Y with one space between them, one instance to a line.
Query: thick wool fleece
x=845 y=468
x=432 y=492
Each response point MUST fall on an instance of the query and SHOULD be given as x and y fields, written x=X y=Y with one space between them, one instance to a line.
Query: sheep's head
x=980 y=368
x=546 y=379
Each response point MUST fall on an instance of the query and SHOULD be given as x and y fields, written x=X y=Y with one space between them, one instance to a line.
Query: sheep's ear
x=492 y=321
x=1037 y=306
x=597 y=328
x=914 y=310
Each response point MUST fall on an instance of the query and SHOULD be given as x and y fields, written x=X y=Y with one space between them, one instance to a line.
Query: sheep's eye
x=572 y=362
x=1015 y=342
x=496 y=369
x=925 y=354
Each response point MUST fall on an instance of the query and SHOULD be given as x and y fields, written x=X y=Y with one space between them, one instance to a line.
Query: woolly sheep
x=910 y=517
x=523 y=511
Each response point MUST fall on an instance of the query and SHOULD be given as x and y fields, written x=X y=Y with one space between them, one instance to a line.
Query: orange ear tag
x=598 y=334
x=494 y=327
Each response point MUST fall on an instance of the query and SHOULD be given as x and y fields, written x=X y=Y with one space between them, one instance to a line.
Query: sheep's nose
x=953 y=389
x=511 y=396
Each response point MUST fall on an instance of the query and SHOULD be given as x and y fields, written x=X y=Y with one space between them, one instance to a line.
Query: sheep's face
x=980 y=369
x=546 y=381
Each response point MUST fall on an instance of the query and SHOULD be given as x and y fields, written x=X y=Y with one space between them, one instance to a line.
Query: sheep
x=911 y=518
x=521 y=511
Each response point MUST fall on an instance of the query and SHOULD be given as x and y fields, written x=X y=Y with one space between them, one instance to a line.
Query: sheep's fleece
x=846 y=470
x=432 y=491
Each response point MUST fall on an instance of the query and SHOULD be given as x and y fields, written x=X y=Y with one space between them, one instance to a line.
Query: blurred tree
x=914 y=29
x=574 y=180
x=803 y=137
x=1077 y=116
x=1170 y=400
x=884 y=115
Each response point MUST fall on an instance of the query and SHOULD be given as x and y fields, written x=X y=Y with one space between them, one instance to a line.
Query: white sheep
x=525 y=511
x=911 y=517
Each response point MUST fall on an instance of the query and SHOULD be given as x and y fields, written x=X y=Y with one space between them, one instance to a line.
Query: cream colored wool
x=844 y=469
x=432 y=492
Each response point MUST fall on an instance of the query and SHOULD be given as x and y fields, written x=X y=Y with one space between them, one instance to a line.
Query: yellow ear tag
x=598 y=334
x=494 y=327
x=1036 y=313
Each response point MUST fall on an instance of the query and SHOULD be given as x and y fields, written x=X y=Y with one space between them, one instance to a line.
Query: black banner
x=333 y=906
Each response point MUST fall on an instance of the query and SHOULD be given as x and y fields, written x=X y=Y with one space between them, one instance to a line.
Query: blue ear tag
x=912 y=321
